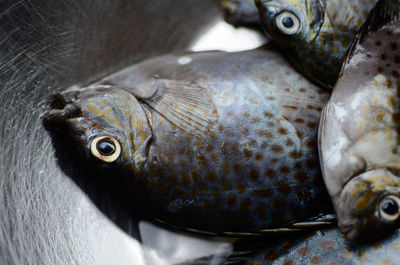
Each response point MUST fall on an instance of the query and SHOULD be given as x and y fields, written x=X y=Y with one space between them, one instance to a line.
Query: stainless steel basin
x=45 y=46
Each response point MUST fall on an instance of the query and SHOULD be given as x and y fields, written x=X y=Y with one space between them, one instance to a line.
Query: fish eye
x=287 y=23
x=389 y=208
x=105 y=148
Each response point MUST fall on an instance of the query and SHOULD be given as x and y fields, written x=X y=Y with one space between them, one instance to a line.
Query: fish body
x=325 y=247
x=314 y=34
x=359 y=133
x=210 y=141
x=240 y=12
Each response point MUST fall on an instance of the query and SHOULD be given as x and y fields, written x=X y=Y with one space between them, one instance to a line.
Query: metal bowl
x=45 y=46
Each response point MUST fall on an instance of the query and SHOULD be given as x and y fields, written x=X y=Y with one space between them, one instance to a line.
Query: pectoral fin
x=188 y=106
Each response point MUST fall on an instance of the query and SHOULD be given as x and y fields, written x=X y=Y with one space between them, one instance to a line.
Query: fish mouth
x=346 y=229
x=58 y=101
x=63 y=106
x=229 y=7
x=259 y=2
x=348 y=232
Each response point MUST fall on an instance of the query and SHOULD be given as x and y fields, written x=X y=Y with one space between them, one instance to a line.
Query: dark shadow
x=105 y=193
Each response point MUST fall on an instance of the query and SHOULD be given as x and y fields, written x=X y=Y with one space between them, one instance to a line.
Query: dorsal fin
x=188 y=106
x=384 y=12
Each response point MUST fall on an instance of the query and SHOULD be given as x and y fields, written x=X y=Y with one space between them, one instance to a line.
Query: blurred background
x=47 y=217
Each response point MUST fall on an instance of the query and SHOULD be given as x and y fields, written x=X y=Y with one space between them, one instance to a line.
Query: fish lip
x=230 y=7
x=62 y=107
x=58 y=101
x=348 y=232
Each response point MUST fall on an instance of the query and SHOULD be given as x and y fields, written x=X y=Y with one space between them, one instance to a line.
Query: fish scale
x=325 y=247
x=326 y=30
x=240 y=155
x=218 y=142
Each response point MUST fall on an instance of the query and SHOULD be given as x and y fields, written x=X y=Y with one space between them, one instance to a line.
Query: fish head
x=369 y=204
x=291 y=20
x=303 y=31
x=106 y=123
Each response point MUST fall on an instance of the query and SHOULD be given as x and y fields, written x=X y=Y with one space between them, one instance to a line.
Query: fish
x=323 y=247
x=240 y=12
x=314 y=35
x=359 y=130
x=211 y=142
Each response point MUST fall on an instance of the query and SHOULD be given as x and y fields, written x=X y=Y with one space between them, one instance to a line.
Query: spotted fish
x=324 y=247
x=359 y=134
x=314 y=34
x=240 y=12
x=215 y=142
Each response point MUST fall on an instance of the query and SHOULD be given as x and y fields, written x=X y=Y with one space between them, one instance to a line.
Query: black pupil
x=389 y=206
x=105 y=147
x=288 y=22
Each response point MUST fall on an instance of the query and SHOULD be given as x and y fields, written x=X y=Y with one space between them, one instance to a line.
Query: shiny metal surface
x=45 y=46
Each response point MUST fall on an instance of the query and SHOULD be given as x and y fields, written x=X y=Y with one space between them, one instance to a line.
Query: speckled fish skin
x=214 y=141
x=326 y=247
x=240 y=12
x=359 y=133
x=327 y=28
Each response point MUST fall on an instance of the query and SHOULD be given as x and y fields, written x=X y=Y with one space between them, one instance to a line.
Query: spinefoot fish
x=315 y=35
x=359 y=131
x=210 y=142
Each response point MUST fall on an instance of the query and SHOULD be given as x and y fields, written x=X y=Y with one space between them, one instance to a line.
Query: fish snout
x=230 y=7
x=265 y=5
x=349 y=232
x=259 y=2
x=63 y=107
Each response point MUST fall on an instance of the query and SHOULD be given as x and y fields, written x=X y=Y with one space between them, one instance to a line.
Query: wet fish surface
x=359 y=133
x=325 y=247
x=213 y=141
x=314 y=34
